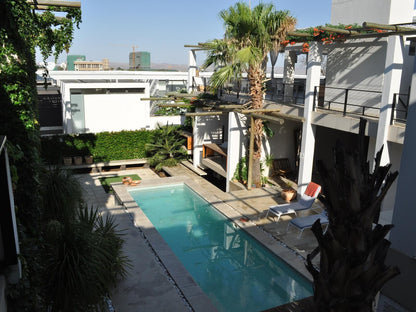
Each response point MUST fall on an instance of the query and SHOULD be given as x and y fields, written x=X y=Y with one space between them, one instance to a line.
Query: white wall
x=115 y=112
x=282 y=144
x=404 y=233
x=356 y=64
x=376 y=11
x=108 y=112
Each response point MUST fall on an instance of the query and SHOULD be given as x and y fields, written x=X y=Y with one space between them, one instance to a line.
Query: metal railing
x=278 y=92
x=347 y=101
x=399 y=107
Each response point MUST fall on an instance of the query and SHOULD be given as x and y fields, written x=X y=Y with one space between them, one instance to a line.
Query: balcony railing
x=399 y=107
x=348 y=101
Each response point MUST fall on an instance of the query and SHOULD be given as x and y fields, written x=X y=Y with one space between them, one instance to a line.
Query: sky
x=110 y=29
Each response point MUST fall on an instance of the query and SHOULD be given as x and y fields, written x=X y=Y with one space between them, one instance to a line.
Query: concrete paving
x=157 y=281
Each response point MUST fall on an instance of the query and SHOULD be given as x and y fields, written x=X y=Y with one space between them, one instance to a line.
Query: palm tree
x=250 y=34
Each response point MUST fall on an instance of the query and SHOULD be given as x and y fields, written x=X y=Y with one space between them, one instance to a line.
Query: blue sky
x=162 y=27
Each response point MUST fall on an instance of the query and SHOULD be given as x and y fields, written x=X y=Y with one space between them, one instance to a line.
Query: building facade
x=139 y=60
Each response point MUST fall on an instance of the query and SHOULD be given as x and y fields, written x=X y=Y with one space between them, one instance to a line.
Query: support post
x=191 y=70
x=313 y=75
x=250 y=155
x=289 y=75
x=391 y=85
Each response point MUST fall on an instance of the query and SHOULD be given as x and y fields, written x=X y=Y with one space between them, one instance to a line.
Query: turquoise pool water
x=230 y=266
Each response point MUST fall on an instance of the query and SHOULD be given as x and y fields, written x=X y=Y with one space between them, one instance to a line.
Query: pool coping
x=196 y=298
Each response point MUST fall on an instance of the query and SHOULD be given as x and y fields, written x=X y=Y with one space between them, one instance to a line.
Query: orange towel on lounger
x=311 y=189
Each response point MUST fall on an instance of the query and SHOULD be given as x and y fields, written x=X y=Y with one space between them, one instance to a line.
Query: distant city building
x=139 y=60
x=79 y=63
x=71 y=59
x=91 y=65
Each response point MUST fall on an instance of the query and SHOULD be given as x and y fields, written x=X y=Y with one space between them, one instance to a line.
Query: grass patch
x=106 y=181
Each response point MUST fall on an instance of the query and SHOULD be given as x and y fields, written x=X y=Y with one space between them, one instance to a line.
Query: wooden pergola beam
x=44 y=4
x=339 y=31
x=260 y=110
x=384 y=34
x=203 y=114
x=289 y=117
x=394 y=28
x=298 y=34
x=176 y=105
x=268 y=118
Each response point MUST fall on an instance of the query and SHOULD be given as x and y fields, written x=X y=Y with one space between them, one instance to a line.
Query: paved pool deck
x=157 y=281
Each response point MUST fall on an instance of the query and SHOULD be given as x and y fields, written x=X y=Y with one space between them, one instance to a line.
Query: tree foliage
x=250 y=34
x=22 y=30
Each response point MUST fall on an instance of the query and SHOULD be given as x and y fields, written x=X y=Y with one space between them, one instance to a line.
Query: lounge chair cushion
x=307 y=222
x=312 y=189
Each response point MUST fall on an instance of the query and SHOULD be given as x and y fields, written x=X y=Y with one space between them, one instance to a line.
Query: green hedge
x=104 y=146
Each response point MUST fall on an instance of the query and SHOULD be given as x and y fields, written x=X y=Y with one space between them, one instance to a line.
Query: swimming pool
x=232 y=268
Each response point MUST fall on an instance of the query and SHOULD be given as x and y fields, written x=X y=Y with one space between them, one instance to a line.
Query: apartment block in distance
x=139 y=60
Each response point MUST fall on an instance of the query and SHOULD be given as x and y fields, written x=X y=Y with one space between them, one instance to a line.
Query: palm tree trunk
x=256 y=78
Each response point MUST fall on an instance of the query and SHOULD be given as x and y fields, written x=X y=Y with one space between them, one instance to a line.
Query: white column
x=289 y=75
x=191 y=70
x=198 y=140
x=391 y=85
x=237 y=130
x=404 y=214
x=313 y=76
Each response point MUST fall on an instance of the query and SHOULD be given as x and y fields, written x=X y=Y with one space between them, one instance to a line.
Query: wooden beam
x=203 y=114
x=181 y=95
x=268 y=118
x=384 y=34
x=175 y=105
x=298 y=34
x=289 y=117
x=260 y=110
x=387 y=27
x=339 y=31
x=62 y=4
x=250 y=155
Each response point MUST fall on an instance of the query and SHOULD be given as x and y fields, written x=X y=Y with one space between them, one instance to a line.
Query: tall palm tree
x=250 y=34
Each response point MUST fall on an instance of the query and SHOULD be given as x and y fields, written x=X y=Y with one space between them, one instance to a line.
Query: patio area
x=150 y=285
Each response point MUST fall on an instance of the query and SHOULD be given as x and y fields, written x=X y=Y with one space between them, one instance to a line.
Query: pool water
x=231 y=267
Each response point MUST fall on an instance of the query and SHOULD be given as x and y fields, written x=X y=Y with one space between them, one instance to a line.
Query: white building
x=366 y=77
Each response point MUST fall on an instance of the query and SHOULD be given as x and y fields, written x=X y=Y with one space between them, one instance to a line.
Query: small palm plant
x=81 y=250
x=166 y=148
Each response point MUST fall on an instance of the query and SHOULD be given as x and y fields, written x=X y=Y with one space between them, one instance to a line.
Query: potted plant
x=67 y=161
x=288 y=193
x=78 y=160
x=89 y=159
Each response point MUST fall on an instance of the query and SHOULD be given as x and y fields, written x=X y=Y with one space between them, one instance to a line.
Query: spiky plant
x=166 y=148
x=353 y=249
x=81 y=251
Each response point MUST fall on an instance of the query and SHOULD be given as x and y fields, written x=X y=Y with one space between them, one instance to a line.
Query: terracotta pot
x=126 y=180
x=288 y=195
x=67 y=161
x=78 y=160
x=88 y=159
